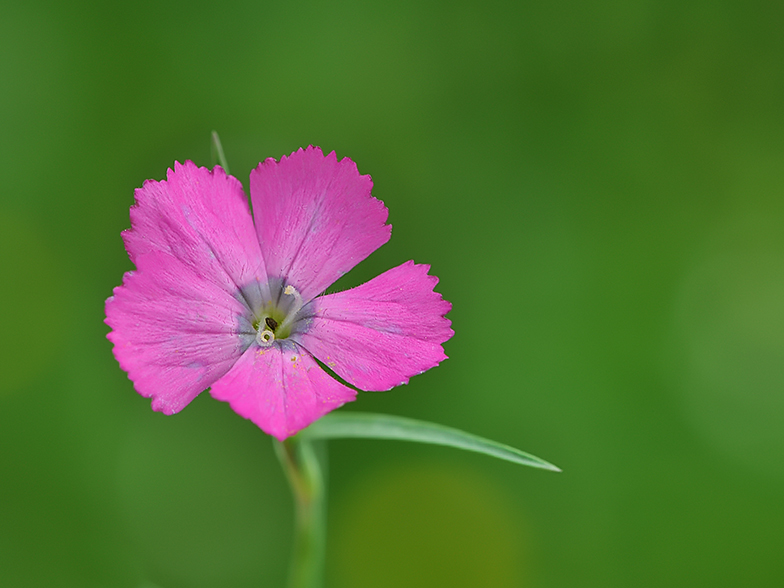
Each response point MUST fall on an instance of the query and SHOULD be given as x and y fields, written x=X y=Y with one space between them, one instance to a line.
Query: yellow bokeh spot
x=427 y=525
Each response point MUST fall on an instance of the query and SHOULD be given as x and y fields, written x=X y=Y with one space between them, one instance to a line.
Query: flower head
x=219 y=302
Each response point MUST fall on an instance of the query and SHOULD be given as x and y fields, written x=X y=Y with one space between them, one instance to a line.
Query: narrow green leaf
x=381 y=426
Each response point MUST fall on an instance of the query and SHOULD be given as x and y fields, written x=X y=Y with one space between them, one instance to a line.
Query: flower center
x=275 y=321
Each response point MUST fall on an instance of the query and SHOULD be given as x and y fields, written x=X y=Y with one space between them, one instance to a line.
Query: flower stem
x=305 y=465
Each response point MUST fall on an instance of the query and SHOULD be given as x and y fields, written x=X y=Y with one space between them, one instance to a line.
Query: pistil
x=267 y=327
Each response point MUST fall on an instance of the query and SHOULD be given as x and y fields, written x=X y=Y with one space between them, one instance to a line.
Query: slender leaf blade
x=382 y=426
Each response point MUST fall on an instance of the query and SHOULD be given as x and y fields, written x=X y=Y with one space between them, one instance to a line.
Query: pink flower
x=216 y=302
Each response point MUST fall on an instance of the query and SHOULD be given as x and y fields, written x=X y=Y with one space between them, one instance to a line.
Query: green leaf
x=381 y=426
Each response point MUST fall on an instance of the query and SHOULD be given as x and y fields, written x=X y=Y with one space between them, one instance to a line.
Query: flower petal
x=202 y=218
x=281 y=389
x=174 y=332
x=315 y=218
x=381 y=333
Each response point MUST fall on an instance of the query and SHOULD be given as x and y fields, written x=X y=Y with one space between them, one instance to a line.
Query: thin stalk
x=306 y=476
x=217 y=152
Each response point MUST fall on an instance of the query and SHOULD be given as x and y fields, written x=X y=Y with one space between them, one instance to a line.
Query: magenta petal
x=281 y=389
x=381 y=333
x=315 y=218
x=202 y=218
x=174 y=332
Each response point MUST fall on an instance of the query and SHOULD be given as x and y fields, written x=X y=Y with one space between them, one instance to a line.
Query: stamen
x=265 y=338
x=295 y=308
x=292 y=291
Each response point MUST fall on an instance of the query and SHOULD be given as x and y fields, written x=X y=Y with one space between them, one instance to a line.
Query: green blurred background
x=597 y=185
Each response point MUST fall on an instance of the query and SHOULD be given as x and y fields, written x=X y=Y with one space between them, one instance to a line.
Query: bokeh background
x=599 y=186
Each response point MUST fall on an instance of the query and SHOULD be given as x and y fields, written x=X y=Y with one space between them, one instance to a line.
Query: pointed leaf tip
x=380 y=426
